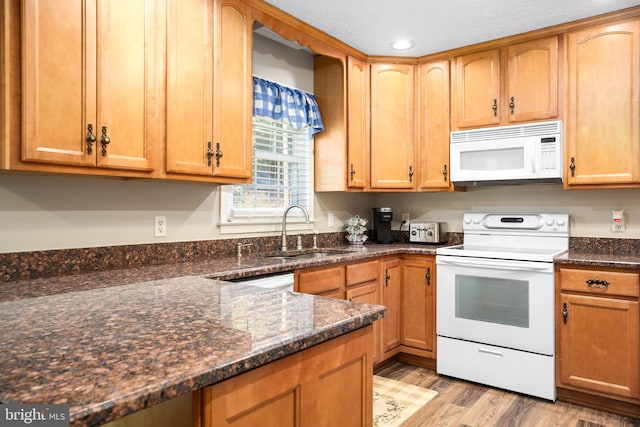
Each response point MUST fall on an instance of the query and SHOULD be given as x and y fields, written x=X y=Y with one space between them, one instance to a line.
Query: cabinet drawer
x=320 y=281
x=362 y=272
x=600 y=282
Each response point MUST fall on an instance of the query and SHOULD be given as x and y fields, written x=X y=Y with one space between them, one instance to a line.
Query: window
x=282 y=176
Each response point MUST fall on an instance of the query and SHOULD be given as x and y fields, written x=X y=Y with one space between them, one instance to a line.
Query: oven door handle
x=495 y=264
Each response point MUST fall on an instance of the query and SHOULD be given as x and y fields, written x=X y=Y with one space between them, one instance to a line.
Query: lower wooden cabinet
x=417 y=309
x=329 y=384
x=598 y=335
x=390 y=279
x=405 y=285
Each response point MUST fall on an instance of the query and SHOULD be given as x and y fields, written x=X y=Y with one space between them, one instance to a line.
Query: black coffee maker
x=381 y=231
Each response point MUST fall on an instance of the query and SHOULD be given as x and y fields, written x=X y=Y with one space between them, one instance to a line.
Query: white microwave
x=507 y=155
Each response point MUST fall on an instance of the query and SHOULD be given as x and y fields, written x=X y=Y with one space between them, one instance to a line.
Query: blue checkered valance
x=293 y=106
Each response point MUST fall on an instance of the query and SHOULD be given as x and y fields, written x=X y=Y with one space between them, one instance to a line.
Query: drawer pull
x=490 y=353
x=597 y=283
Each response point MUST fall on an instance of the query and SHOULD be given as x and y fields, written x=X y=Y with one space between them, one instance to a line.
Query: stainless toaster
x=428 y=232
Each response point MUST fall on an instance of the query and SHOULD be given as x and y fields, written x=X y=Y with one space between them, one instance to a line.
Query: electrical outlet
x=330 y=219
x=405 y=216
x=617 y=221
x=160 y=226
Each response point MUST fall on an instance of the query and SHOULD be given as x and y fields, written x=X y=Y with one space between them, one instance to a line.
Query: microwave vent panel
x=503 y=132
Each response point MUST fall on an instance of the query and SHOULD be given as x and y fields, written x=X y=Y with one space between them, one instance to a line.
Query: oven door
x=500 y=302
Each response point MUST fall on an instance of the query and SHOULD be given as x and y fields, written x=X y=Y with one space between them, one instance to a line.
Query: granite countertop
x=223 y=268
x=111 y=351
x=598 y=259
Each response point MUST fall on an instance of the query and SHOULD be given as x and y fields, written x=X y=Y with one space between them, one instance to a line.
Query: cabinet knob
x=411 y=173
x=565 y=313
x=512 y=106
x=218 y=154
x=444 y=172
x=209 y=153
x=91 y=138
x=494 y=107
x=352 y=171
x=428 y=276
x=104 y=141
x=572 y=166
x=386 y=277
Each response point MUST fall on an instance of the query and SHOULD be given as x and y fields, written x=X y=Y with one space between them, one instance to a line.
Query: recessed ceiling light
x=402 y=44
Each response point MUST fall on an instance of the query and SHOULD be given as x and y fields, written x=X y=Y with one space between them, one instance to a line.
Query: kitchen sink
x=308 y=254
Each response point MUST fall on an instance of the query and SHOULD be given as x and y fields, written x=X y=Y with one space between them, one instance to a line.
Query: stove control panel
x=530 y=222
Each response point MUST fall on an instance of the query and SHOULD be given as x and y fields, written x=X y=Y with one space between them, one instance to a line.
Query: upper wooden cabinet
x=88 y=85
x=357 y=124
x=392 y=127
x=602 y=125
x=209 y=88
x=432 y=94
x=505 y=86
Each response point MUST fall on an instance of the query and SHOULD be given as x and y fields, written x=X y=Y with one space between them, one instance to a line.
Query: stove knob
x=549 y=222
x=430 y=232
x=561 y=222
x=476 y=220
x=467 y=220
x=414 y=232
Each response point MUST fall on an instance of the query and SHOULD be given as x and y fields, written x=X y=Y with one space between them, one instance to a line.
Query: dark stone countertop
x=112 y=351
x=592 y=259
x=223 y=268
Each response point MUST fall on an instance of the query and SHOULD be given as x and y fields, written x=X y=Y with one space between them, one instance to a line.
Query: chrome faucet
x=284 y=223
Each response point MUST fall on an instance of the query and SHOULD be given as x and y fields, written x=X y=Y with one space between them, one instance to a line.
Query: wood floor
x=461 y=403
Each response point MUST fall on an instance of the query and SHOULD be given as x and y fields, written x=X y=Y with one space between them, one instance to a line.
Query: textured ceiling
x=371 y=25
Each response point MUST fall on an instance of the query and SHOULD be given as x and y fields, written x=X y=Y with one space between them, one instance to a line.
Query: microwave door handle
x=496 y=264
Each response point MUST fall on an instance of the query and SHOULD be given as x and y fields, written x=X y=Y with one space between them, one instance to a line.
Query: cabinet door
x=433 y=125
x=357 y=124
x=189 y=86
x=392 y=143
x=328 y=281
x=233 y=95
x=87 y=66
x=599 y=344
x=476 y=90
x=603 y=113
x=59 y=81
x=418 y=304
x=391 y=299
x=126 y=91
x=532 y=80
x=368 y=293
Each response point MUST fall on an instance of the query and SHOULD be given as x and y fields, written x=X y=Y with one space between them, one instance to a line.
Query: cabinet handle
x=91 y=138
x=597 y=283
x=565 y=313
x=410 y=173
x=428 y=276
x=104 y=141
x=512 y=106
x=572 y=166
x=352 y=171
x=209 y=153
x=386 y=277
x=494 y=107
x=218 y=154
x=445 y=173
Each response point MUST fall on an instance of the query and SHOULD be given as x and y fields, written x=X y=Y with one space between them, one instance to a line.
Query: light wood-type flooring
x=462 y=403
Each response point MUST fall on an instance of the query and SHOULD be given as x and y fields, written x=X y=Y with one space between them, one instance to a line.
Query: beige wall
x=589 y=210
